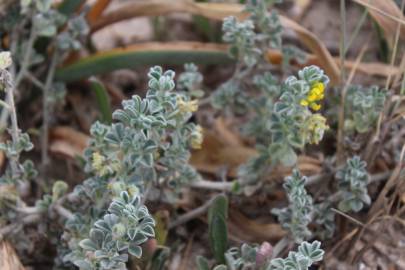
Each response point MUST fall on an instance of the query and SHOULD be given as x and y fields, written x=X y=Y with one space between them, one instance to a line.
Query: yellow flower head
x=317 y=93
x=197 y=137
x=315 y=128
x=187 y=106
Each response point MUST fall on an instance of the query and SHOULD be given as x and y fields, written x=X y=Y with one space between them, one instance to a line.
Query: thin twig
x=211 y=185
x=359 y=25
x=27 y=57
x=34 y=80
x=340 y=133
x=15 y=131
x=13 y=48
x=342 y=40
x=395 y=49
x=388 y=185
x=62 y=211
x=398 y=20
x=358 y=222
x=280 y=246
x=379 y=135
x=342 y=54
x=191 y=214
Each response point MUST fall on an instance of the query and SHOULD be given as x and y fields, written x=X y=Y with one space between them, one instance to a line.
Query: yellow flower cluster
x=187 y=106
x=100 y=165
x=197 y=138
x=98 y=161
x=118 y=187
x=315 y=128
x=316 y=93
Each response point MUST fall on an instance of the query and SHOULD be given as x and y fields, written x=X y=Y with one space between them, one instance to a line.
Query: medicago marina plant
x=191 y=163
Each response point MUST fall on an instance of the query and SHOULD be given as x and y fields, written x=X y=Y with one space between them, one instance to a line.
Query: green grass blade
x=137 y=57
x=218 y=231
x=102 y=100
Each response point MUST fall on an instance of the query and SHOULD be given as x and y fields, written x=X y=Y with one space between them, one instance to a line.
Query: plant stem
x=204 y=184
x=27 y=57
x=34 y=80
x=340 y=135
x=191 y=214
x=342 y=39
x=359 y=25
x=62 y=211
x=280 y=246
x=15 y=132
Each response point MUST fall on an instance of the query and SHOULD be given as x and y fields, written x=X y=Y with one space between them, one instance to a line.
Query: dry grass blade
x=367 y=68
x=392 y=181
x=387 y=14
x=216 y=11
x=340 y=135
x=313 y=43
x=8 y=257
x=395 y=49
x=97 y=10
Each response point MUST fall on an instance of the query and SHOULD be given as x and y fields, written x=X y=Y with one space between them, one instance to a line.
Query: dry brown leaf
x=97 y=10
x=370 y=68
x=317 y=47
x=229 y=137
x=216 y=11
x=215 y=154
x=8 y=257
x=250 y=230
x=387 y=15
x=299 y=8
x=67 y=141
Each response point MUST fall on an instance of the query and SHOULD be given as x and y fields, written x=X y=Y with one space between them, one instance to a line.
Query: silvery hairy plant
x=259 y=257
x=249 y=41
x=363 y=107
x=307 y=254
x=283 y=113
x=117 y=234
x=38 y=31
x=17 y=175
x=286 y=120
x=351 y=195
x=147 y=147
x=352 y=182
x=296 y=217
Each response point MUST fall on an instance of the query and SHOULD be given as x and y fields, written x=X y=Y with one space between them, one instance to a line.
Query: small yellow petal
x=303 y=102
x=315 y=107
x=319 y=85
x=312 y=98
